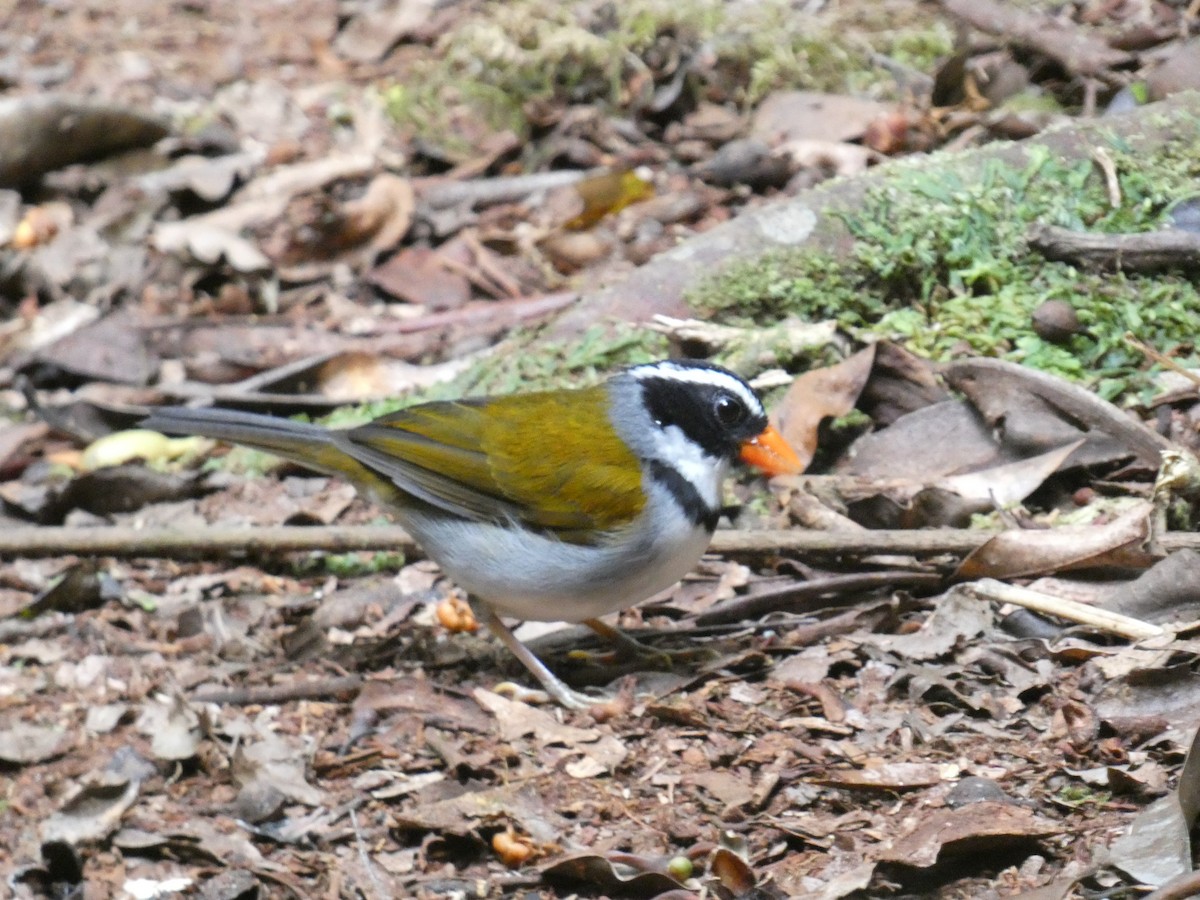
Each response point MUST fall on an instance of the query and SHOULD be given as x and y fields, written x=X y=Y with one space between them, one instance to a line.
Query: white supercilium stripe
x=698 y=375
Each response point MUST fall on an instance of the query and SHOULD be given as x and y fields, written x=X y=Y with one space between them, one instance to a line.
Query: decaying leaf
x=1011 y=482
x=521 y=804
x=927 y=444
x=957 y=618
x=46 y=131
x=1120 y=543
x=608 y=876
x=819 y=394
x=978 y=827
x=210 y=244
x=1169 y=591
x=22 y=743
x=1034 y=412
x=785 y=116
x=889 y=777
x=173 y=726
x=92 y=812
x=1157 y=847
x=276 y=763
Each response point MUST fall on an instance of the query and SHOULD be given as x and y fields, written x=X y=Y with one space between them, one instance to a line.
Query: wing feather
x=538 y=458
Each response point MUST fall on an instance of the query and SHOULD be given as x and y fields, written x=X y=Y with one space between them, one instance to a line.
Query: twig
x=168 y=543
x=1149 y=251
x=789 y=597
x=440 y=193
x=364 y=858
x=1161 y=358
x=280 y=693
x=1111 y=182
x=1071 y=610
x=1178 y=888
x=218 y=541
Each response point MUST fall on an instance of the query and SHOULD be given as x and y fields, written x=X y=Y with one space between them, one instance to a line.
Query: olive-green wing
x=550 y=460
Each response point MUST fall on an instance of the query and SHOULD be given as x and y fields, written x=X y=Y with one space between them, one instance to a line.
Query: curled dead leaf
x=1011 y=554
x=819 y=394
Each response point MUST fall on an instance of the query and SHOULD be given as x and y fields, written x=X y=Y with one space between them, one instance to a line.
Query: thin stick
x=1071 y=610
x=239 y=541
x=1161 y=358
x=280 y=693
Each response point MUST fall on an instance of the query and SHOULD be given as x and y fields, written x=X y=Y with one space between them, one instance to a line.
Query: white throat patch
x=684 y=455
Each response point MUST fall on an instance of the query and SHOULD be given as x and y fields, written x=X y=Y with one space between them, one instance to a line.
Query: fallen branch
x=1071 y=610
x=793 y=597
x=1151 y=251
x=281 y=693
x=207 y=542
x=241 y=541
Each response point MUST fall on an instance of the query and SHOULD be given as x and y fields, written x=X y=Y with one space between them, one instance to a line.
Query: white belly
x=531 y=576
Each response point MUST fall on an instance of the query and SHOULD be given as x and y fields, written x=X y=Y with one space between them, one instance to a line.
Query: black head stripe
x=692 y=407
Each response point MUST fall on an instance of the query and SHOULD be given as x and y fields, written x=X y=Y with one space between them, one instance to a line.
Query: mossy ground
x=492 y=65
x=940 y=262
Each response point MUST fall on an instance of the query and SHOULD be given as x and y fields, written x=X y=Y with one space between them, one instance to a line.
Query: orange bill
x=771 y=453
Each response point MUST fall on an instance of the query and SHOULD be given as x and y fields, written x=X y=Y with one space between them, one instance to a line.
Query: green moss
x=349 y=565
x=940 y=261
x=241 y=460
x=537 y=50
x=920 y=47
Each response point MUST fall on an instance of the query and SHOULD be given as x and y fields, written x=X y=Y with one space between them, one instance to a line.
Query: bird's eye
x=730 y=410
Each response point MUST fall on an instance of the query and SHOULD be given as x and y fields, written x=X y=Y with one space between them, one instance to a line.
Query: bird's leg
x=635 y=649
x=623 y=642
x=553 y=685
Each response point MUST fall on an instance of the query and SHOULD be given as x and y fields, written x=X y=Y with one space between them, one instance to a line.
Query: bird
x=554 y=505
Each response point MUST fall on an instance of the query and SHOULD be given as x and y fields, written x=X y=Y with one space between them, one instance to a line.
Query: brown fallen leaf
x=976 y=828
x=1157 y=846
x=419 y=275
x=114 y=348
x=1120 y=543
x=619 y=877
x=1010 y=482
x=926 y=444
x=819 y=394
x=1033 y=412
x=91 y=812
x=957 y=619
x=516 y=720
x=46 y=131
x=523 y=805
x=23 y=743
x=901 y=382
x=1169 y=591
x=319 y=229
x=278 y=764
